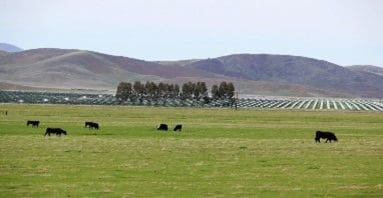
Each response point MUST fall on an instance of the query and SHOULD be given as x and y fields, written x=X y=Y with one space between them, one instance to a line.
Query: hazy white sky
x=344 y=32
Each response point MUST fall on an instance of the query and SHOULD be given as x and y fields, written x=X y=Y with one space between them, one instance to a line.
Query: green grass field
x=219 y=153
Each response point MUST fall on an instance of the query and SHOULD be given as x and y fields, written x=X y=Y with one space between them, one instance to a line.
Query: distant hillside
x=252 y=74
x=4 y=86
x=10 y=86
x=3 y=53
x=9 y=48
x=65 y=68
x=296 y=70
x=367 y=68
x=179 y=63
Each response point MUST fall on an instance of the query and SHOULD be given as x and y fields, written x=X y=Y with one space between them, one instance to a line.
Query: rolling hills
x=66 y=68
x=261 y=74
x=367 y=68
x=9 y=48
x=295 y=70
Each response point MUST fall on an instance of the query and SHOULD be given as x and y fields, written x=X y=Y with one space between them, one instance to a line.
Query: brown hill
x=295 y=70
x=252 y=74
x=84 y=69
x=367 y=68
x=3 y=53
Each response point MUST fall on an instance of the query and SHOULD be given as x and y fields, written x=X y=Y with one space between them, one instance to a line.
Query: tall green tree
x=215 y=92
x=124 y=90
x=230 y=90
x=163 y=89
x=225 y=90
x=187 y=90
x=138 y=88
x=200 y=90
x=176 y=90
x=222 y=90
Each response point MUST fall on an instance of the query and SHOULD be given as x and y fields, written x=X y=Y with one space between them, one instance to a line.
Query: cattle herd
x=329 y=136
x=90 y=125
x=60 y=131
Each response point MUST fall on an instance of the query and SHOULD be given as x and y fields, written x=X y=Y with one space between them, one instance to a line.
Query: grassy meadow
x=219 y=153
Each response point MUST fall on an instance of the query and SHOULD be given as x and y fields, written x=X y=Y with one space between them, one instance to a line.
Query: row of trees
x=127 y=90
x=189 y=90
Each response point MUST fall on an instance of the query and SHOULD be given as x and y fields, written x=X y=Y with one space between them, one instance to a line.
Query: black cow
x=329 y=136
x=178 y=127
x=87 y=124
x=92 y=125
x=34 y=123
x=57 y=131
x=163 y=127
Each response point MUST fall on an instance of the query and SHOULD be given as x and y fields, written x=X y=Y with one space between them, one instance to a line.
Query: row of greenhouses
x=261 y=102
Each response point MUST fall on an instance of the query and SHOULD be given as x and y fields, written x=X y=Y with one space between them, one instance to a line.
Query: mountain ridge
x=9 y=48
x=367 y=68
x=251 y=73
x=295 y=70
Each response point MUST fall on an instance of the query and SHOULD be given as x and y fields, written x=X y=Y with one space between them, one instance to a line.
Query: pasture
x=219 y=153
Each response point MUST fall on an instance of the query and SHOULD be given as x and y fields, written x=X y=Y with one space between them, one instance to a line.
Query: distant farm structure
x=265 y=102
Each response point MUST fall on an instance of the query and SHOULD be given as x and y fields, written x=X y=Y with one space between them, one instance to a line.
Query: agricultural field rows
x=264 y=102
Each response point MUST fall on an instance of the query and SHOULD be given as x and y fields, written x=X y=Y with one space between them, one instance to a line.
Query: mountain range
x=9 y=48
x=252 y=74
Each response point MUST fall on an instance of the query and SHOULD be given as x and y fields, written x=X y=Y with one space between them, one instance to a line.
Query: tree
x=138 y=88
x=200 y=90
x=187 y=90
x=124 y=90
x=230 y=90
x=215 y=92
x=223 y=91
x=163 y=89
x=151 y=89
x=176 y=90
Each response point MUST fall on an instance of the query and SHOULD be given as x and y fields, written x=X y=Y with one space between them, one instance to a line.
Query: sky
x=345 y=32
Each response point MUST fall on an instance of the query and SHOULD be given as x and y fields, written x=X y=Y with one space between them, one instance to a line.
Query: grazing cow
x=57 y=131
x=329 y=136
x=87 y=124
x=92 y=125
x=178 y=127
x=34 y=123
x=163 y=127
